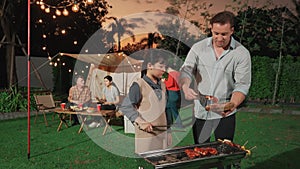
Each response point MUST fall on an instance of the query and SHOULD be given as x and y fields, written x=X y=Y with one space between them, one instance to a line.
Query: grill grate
x=176 y=157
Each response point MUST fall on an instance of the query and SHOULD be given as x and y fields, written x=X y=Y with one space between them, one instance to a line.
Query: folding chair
x=45 y=104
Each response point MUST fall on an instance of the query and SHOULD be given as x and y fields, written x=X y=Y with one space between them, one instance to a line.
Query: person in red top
x=174 y=99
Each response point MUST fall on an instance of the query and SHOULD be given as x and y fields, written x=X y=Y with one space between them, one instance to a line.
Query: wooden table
x=106 y=114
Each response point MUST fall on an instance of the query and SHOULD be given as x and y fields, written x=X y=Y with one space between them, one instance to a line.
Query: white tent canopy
x=123 y=69
x=110 y=62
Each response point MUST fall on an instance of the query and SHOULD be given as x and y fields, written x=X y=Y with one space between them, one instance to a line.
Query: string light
x=47 y=10
x=75 y=7
x=65 y=12
x=89 y=2
x=58 y=12
x=63 y=31
x=63 y=8
x=74 y=4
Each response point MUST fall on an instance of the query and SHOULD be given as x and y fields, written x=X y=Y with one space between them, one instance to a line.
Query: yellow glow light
x=40 y=21
x=70 y=70
x=63 y=31
x=42 y=6
x=54 y=16
x=65 y=12
x=44 y=48
x=75 y=42
x=75 y=8
x=57 y=12
x=89 y=2
x=47 y=10
x=44 y=36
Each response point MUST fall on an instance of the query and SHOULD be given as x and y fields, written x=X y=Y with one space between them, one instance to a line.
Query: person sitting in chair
x=110 y=98
x=79 y=95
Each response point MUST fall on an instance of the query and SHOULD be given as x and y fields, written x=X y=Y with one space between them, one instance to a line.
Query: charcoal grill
x=177 y=158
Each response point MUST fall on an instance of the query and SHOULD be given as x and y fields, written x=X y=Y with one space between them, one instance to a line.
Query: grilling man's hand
x=189 y=93
x=143 y=124
x=223 y=109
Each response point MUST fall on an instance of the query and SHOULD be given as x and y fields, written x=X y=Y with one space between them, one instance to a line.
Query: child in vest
x=146 y=102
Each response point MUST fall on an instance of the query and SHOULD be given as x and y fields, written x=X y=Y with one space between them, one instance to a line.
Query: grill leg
x=237 y=165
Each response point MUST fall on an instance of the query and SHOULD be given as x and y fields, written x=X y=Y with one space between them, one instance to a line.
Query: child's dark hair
x=108 y=77
x=154 y=56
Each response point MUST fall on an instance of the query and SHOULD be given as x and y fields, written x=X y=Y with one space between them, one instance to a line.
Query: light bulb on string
x=47 y=10
x=54 y=16
x=89 y=2
x=57 y=12
x=75 y=7
x=65 y=12
x=42 y=6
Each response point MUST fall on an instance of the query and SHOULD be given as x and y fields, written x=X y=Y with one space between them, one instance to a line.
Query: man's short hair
x=77 y=77
x=223 y=18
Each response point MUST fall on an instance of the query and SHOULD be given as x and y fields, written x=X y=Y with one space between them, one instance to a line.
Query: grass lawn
x=276 y=137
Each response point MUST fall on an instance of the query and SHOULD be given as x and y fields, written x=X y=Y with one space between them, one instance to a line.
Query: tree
x=260 y=30
x=150 y=40
x=185 y=9
x=271 y=32
x=11 y=26
x=50 y=33
x=120 y=27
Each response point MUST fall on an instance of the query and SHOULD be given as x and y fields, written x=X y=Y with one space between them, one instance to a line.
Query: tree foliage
x=78 y=26
x=260 y=31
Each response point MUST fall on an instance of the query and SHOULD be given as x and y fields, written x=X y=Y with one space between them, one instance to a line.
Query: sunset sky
x=132 y=8
x=122 y=8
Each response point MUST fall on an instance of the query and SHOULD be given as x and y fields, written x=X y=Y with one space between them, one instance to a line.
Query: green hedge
x=12 y=101
x=263 y=79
